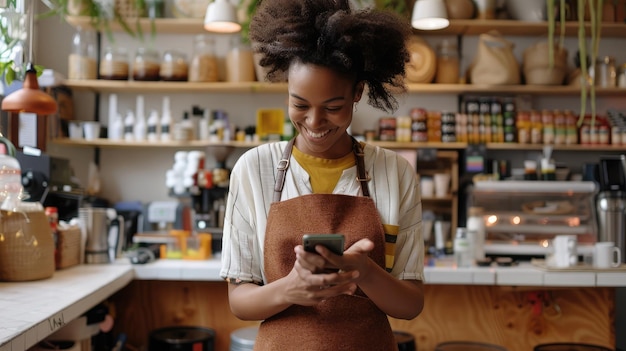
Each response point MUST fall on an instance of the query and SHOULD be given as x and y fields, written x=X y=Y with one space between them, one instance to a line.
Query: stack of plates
x=243 y=339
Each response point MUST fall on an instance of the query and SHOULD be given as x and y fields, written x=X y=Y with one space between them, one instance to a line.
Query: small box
x=68 y=247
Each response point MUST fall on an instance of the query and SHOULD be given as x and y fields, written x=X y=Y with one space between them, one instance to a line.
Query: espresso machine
x=611 y=201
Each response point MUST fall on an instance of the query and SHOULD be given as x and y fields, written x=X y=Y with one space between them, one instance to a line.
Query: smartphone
x=333 y=242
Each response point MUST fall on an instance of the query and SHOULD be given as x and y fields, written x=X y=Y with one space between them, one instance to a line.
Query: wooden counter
x=517 y=307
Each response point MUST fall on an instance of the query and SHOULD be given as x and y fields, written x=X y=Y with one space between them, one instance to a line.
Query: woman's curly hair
x=368 y=44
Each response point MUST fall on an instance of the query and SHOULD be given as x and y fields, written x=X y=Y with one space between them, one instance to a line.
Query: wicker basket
x=26 y=246
x=68 y=247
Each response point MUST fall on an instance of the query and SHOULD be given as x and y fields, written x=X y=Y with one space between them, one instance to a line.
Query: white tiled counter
x=31 y=311
x=524 y=274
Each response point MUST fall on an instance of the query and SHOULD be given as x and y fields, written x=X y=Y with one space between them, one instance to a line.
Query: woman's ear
x=358 y=91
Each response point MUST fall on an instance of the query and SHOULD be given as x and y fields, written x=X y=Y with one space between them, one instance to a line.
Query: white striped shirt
x=393 y=188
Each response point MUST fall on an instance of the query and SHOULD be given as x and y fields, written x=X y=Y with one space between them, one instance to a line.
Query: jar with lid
x=604 y=72
x=82 y=63
x=146 y=65
x=447 y=63
x=621 y=76
x=203 y=67
x=240 y=62
x=174 y=66
x=114 y=64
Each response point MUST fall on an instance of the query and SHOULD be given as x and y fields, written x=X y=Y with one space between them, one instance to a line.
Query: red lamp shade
x=30 y=98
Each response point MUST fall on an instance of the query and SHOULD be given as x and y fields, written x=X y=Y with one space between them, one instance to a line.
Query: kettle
x=103 y=230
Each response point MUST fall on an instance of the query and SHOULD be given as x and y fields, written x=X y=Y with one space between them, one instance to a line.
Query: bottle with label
x=116 y=129
x=166 y=120
x=153 y=126
x=140 y=120
x=476 y=226
x=129 y=124
x=287 y=129
x=462 y=249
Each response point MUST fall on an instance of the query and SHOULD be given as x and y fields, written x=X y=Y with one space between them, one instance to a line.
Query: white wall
x=139 y=174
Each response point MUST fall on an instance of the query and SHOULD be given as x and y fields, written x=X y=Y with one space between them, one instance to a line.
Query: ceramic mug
x=565 y=252
x=606 y=255
x=442 y=184
x=428 y=187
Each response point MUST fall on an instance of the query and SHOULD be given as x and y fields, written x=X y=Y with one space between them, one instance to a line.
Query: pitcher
x=104 y=233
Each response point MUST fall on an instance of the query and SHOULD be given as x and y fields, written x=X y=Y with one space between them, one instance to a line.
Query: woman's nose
x=315 y=118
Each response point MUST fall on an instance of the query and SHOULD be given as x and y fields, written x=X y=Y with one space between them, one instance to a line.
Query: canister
x=621 y=76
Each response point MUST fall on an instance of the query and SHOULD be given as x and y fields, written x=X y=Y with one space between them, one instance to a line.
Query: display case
x=521 y=217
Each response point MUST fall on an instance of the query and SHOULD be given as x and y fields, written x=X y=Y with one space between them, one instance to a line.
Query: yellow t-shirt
x=324 y=173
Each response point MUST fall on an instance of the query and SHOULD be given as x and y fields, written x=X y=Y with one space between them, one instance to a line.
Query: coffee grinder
x=611 y=201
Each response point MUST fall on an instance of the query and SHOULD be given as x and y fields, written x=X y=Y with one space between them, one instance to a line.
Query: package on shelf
x=387 y=128
x=595 y=131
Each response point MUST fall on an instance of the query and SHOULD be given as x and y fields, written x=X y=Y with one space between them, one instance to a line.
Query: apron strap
x=283 y=164
x=362 y=175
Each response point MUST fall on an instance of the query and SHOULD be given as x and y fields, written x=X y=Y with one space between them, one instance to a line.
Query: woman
x=323 y=181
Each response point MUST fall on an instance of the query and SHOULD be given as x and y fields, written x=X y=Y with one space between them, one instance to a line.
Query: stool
x=243 y=339
x=406 y=341
x=468 y=346
x=569 y=346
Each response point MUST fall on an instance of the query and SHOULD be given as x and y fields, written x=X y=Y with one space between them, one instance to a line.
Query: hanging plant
x=594 y=9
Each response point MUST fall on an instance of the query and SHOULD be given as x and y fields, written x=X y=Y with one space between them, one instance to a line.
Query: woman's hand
x=321 y=275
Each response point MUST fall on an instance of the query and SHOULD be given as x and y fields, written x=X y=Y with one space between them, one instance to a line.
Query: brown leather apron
x=339 y=323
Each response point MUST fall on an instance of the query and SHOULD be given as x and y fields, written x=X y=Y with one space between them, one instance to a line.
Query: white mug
x=91 y=130
x=75 y=130
x=442 y=184
x=606 y=255
x=428 y=186
x=565 y=253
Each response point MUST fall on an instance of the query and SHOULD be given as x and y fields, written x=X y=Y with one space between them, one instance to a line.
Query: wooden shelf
x=194 y=144
x=162 y=25
x=523 y=28
x=457 y=27
x=129 y=86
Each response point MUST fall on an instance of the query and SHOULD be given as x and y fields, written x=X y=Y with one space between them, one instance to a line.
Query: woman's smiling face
x=320 y=108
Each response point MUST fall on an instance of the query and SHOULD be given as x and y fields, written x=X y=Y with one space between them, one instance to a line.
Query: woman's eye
x=333 y=109
x=299 y=107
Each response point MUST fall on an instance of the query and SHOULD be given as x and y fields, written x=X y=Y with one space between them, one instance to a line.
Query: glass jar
x=114 y=64
x=146 y=65
x=174 y=66
x=203 y=67
x=604 y=72
x=240 y=63
x=447 y=63
x=621 y=76
x=82 y=62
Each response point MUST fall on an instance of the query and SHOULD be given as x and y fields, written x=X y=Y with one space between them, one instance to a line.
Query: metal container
x=611 y=207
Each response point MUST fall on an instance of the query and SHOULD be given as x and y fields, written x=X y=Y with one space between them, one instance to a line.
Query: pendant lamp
x=429 y=15
x=221 y=17
x=30 y=98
